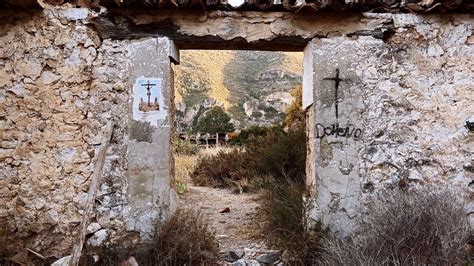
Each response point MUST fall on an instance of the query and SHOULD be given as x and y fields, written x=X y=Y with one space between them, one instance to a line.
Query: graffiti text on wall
x=337 y=131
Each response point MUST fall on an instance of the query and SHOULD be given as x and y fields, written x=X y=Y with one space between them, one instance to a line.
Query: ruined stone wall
x=410 y=96
x=59 y=85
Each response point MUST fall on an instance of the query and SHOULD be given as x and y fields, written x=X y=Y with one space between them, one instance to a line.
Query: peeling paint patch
x=141 y=131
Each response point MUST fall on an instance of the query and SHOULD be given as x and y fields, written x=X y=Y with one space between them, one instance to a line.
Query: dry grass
x=215 y=150
x=185 y=239
x=419 y=227
x=285 y=227
x=184 y=166
x=279 y=154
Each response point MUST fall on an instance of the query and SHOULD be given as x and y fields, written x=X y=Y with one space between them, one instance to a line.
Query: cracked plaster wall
x=410 y=96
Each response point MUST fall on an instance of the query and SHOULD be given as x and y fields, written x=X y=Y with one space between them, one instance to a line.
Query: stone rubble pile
x=251 y=256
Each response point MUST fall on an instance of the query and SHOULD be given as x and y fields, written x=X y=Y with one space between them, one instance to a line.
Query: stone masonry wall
x=48 y=134
x=410 y=96
x=59 y=85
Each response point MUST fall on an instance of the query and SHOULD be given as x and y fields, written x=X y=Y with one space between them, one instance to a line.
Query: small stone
x=240 y=262
x=252 y=263
x=39 y=203
x=8 y=144
x=5 y=78
x=6 y=153
x=62 y=261
x=225 y=256
x=269 y=258
x=52 y=216
x=42 y=126
x=415 y=175
x=49 y=77
x=435 y=50
x=236 y=255
x=130 y=262
x=51 y=52
x=18 y=90
x=225 y=210
x=81 y=199
x=470 y=40
x=93 y=227
x=29 y=69
x=98 y=238
x=64 y=94
x=469 y=167
x=74 y=13
x=3 y=213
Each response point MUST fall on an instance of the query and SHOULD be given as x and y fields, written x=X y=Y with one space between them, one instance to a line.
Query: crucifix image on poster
x=148 y=94
x=148 y=101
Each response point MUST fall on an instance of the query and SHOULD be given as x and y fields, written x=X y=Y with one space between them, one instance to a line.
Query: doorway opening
x=240 y=146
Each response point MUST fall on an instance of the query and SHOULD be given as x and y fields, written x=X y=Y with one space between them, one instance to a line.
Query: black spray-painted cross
x=148 y=86
x=336 y=80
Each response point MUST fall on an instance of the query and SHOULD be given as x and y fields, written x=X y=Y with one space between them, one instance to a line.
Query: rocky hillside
x=253 y=86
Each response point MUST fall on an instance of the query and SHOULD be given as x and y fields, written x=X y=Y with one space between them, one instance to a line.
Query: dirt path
x=236 y=229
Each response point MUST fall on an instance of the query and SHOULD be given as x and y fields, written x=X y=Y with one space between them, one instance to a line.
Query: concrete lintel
x=236 y=30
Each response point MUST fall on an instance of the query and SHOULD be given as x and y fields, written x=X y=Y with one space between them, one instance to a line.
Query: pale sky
x=236 y=3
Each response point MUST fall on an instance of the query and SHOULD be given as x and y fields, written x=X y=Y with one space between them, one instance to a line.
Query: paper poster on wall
x=148 y=102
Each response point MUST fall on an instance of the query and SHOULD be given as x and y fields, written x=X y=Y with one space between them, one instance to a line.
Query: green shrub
x=416 y=227
x=250 y=133
x=216 y=120
x=182 y=147
x=181 y=187
x=221 y=169
x=278 y=154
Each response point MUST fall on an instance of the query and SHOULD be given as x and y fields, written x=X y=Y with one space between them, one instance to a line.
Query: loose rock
x=268 y=258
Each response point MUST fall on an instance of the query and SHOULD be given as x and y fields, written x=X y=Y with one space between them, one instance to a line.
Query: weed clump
x=221 y=169
x=286 y=227
x=182 y=147
x=247 y=134
x=184 y=165
x=416 y=227
x=185 y=239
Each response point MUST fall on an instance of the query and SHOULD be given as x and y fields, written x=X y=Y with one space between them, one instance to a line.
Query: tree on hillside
x=295 y=115
x=216 y=120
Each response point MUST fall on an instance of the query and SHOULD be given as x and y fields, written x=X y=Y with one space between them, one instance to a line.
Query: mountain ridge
x=253 y=86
